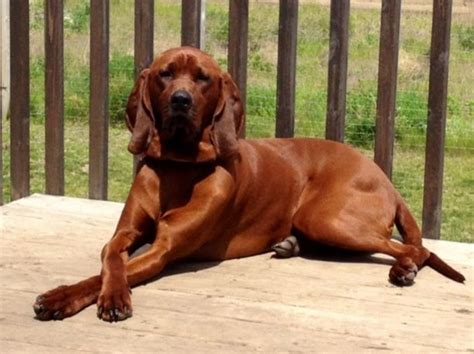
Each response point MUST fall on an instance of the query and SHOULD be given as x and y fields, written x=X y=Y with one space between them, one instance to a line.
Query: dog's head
x=184 y=108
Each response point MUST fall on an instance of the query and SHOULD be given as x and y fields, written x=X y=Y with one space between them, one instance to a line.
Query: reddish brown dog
x=202 y=193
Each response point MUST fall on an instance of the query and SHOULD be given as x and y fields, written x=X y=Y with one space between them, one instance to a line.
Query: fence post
x=144 y=18
x=387 y=84
x=337 y=69
x=5 y=56
x=54 y=97
x=20 y=99
x=437 y=103
x=4 y=77
x=191 y=23
x=1 y=151
x=287 y=32
x=237 y=52
x=99 y=115
x=1 y=141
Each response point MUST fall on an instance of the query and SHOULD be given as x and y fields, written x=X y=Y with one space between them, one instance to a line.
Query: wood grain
x=436 y=129
x=286 y=69
x=237 y=48
x=332 y=303
x=99 y=100
x=54 y=97
x=387 y=84
x=337 y=69
x=20 y=99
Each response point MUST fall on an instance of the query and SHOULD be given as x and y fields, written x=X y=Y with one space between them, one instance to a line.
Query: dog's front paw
x=114 y=304
x=65 y=301
x=403 y=272
x=53 y=305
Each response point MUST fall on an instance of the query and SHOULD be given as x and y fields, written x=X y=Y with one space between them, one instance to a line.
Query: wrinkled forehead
x=186 y=60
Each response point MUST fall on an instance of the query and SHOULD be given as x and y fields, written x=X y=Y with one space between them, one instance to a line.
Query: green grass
x=411 y=114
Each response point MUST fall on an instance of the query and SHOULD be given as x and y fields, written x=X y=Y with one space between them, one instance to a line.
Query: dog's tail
x=443 y=268
x=411 y=235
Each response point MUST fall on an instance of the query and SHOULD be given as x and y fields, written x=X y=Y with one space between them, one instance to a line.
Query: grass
x=458 y=202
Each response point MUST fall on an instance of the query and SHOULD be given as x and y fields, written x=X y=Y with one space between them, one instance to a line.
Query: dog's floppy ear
x=139 y=115
x=228 y=118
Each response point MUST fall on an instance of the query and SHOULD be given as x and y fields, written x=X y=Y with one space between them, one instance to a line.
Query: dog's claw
x=112 y=316
x=38 y=308
x=287 y=248
x=402 y=276
x=100 y=310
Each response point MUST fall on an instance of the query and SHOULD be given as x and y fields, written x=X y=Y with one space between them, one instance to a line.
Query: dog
x=202 y=193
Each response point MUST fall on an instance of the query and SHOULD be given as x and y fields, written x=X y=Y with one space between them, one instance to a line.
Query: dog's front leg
x=140 y=208
x=180 y=232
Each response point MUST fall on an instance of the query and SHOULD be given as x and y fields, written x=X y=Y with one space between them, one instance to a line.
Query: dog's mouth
x=179 y=129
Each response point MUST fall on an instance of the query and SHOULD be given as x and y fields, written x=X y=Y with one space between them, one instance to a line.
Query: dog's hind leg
x=363 y=229
x=411 y=235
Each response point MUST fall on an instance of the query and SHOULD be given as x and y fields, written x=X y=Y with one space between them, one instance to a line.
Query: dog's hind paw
x=403 y=272
x=287 y=248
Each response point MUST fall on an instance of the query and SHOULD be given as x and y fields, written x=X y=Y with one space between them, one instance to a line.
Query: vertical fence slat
x=20 y=99
x=99 y=116
x=1 y=133
x=54 y=97
x=4 y=78
x=287 y=34
x=191 y=23
x=144 y=19
x=437 y=104
x=337 y=69
x=237 y=53
x=387 y=84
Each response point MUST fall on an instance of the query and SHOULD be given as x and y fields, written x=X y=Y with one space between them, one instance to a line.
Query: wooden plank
x=1 y=144
x=20 y=99
x=387 y=84
x=1 y=121
x=144 y=18
x=286 y=76
x=248 y=299
x=191 y=23
x=4 y=77
x=437 y=103
x=237 y=49
x=337 y=69
x=99 y=115
x=54 y=96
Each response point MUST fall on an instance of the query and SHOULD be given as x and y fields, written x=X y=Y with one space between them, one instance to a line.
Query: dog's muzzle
x=181 y=101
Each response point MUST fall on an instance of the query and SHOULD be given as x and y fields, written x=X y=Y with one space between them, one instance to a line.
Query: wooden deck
x=335 y=303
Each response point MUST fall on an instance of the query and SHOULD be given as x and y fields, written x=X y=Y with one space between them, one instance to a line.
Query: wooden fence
x=237 y=66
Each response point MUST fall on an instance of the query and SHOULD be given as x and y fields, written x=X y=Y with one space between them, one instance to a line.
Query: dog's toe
x=287 y=248
x=114 y=305
x=403 y=272
x=114 y=315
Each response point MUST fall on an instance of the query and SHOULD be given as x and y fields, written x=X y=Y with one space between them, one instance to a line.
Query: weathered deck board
x=337 y=303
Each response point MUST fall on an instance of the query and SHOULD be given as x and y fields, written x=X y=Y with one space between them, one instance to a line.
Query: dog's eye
x=165 y=74
x=202 y=77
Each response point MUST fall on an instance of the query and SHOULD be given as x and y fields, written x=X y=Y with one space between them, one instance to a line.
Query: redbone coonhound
x=201 y=193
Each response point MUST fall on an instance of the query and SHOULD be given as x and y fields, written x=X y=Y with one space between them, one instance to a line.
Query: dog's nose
x=181 y=99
